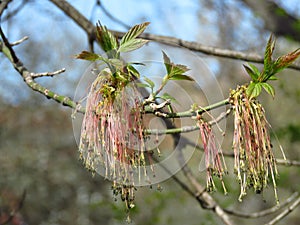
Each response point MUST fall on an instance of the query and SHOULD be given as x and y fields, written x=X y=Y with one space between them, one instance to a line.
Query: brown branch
x=285 y=212
x=264 y=212
x=276 y=19
x=48 y=74
x=28 y=76
x=204 y=198
x=3 y=5
x=171 y=41
x=19 y=41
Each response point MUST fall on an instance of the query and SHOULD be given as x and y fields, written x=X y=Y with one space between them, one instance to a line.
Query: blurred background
x=38 y=151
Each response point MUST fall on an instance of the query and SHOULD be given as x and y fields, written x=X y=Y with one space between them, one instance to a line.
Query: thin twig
x=266 y=212
x=19 y=41
x=287 y=162
x=186 y=129
x=285 y=212
x=112 y=17
x=8 y=51
x=171 y=41
x=49 y=74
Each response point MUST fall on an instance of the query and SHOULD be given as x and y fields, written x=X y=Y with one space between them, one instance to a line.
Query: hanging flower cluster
x=254 y=160
x=112 y=131
x=214 y=160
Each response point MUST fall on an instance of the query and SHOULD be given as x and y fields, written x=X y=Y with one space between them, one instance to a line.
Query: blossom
x=254 y=160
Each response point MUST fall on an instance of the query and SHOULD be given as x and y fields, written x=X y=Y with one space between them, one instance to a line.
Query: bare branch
x=285 y=212
x=194 y=46
x=112 y=17
x=287 y=162
x=266 y=212
x=185 y=129
x=49 y=74
x=7 y=50
x=204 y=198
x=3 y=5
x=19 y=41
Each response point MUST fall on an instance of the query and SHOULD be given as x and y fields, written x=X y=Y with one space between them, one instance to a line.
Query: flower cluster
x=254 y=160
x=214 y=160
x=112 y=133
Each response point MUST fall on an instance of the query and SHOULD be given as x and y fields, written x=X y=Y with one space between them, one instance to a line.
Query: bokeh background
x=38 y=151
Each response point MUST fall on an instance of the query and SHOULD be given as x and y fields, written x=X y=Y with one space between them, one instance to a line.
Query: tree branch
x=3 y=5
x=28 y=77
x=264 y=212
x=276 y=18
x=171 y=41
x=285 y=212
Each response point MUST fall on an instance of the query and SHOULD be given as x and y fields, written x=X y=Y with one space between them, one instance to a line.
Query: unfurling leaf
x=268 y=55
x=253 y=90
x=269 y=89
x=175 y=71
x=133 y=33
x=285 y=61
x=150 y=83
x=132 y=45
x=133 y=71
x=181 y=77
x=167 y=62
x=167 y=96
x=106 y=39
x=88 y=56
x=252 y=71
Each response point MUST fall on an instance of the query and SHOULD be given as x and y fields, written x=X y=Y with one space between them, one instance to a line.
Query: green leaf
x=181 y=77
x=133 y=71
x=273 y=77
x=253 y=90
x=119 y=64
x=167 y=96
x=143 y=85
x=252 y=71
x=132 y=45
x=106 y=39
x=175 y=69
x=150 y=83
x=268 y=55
x=88 y=56
x=133 y=33
x=269 y=89
x=167 y=62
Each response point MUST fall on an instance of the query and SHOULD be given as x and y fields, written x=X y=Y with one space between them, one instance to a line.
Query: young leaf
x=181 y=77
x=268 y=88
x=150 y=83
x=167 y=96
x=132 y=45
x=106 y=39
x=167 y=62
x=88 y=56
x=133 y=72
x=134 y=32
x=268 y=55
x=143 y=85
x=253 y=90
x=175 y=69
x=273 y=77
x=252 y=71
x=285 y=61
